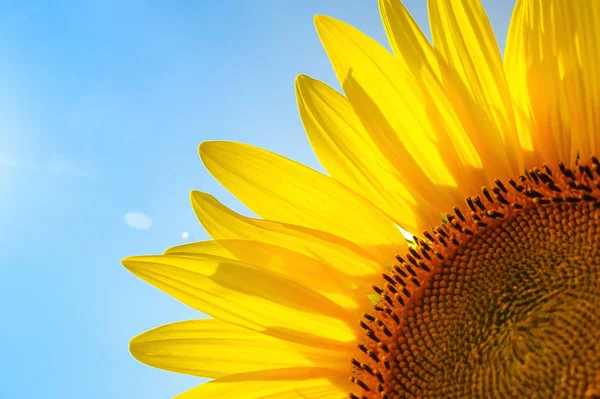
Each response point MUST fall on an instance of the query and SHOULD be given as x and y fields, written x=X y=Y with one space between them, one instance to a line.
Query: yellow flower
x=324 y=298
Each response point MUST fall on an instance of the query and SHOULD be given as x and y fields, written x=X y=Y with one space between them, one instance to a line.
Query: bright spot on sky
x=138 y=220
x=185 y=235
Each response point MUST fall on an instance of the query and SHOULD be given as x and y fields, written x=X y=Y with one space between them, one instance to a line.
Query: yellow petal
x=552 y=67
x=463 y=36
x=279 y=189
x=533 y=75
x=212 y=348
x=222 y=223
x=285 y=384
x=211 y=247
x=247 y=296
x=407 y=40
x=475 y=145
x=372 y=78
x=321 y=277
x=348 y=153
x=409 y=118
x=416 y=55
x=580 y=64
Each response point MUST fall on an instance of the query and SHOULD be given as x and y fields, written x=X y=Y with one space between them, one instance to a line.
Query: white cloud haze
x=138 y=220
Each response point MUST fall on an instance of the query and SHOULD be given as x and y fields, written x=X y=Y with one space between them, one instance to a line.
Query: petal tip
x=135 y=263
x=300 y=79
x=207 y=146
x=302 y=83
x=196 y=195
x=200 y=198
x=138 y=262
x=128 y=262
x=322 y=21
x=136 y=348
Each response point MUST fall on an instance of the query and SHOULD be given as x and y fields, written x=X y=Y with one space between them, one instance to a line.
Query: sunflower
x=324 y=297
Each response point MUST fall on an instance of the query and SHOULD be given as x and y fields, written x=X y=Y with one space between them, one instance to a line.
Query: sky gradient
x=102 y=106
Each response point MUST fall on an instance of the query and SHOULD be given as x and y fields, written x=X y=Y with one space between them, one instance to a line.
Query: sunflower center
x=502 y=301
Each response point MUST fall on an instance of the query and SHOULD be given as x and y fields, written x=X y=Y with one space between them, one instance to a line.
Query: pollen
x=502 y=300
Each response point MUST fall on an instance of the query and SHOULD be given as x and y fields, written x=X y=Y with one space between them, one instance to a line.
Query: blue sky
x=102 y=106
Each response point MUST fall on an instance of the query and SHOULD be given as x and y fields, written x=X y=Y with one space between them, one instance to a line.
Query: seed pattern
x=501 y=301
